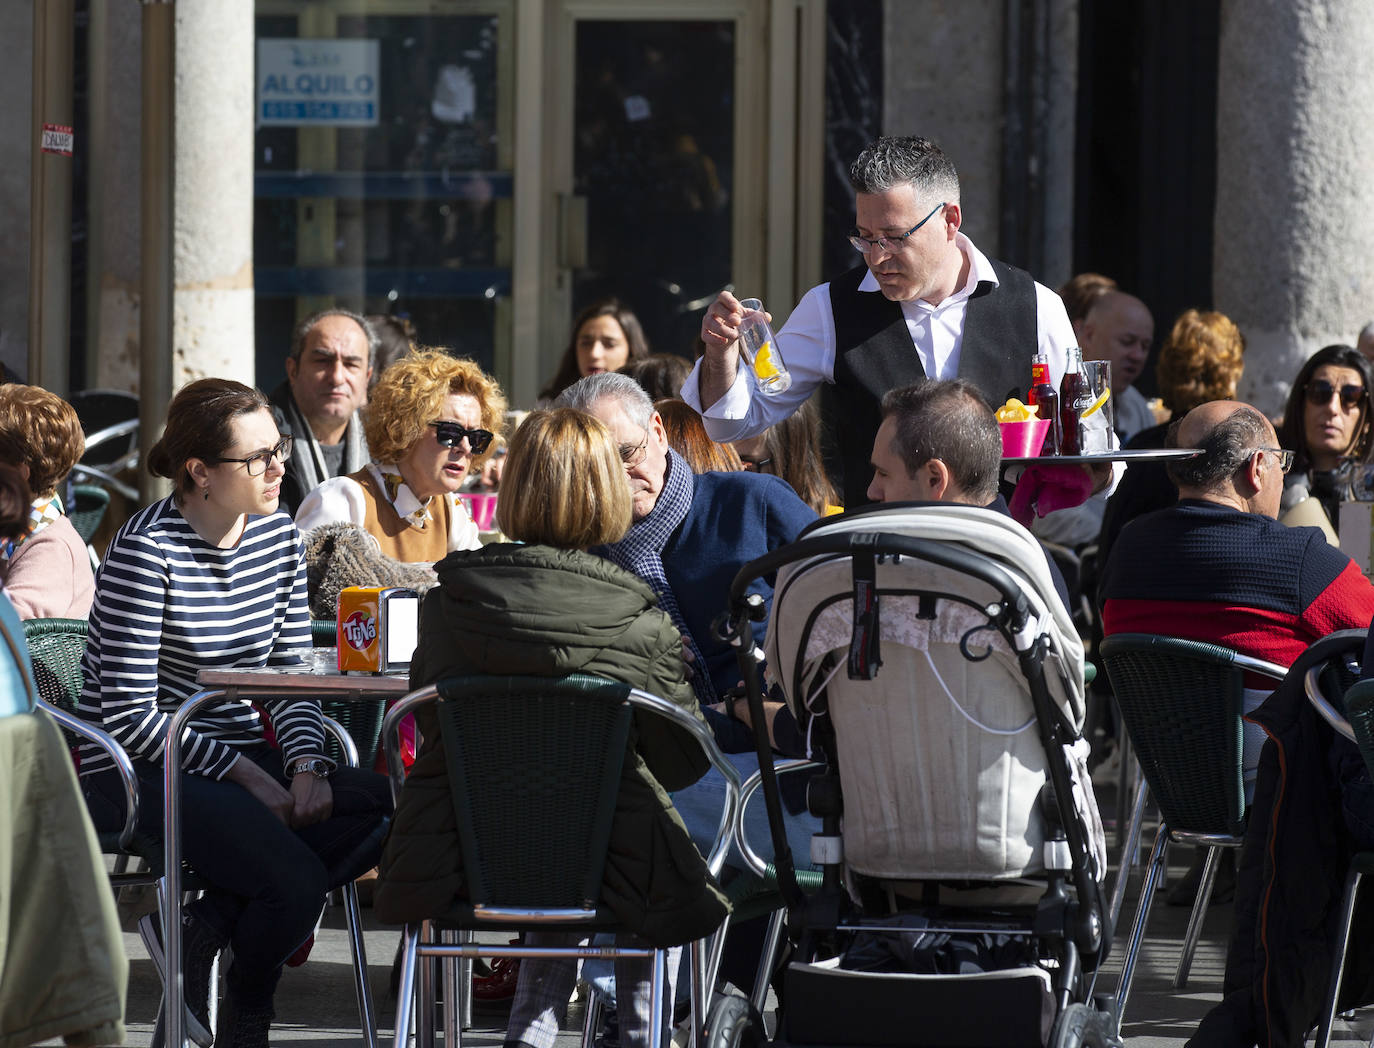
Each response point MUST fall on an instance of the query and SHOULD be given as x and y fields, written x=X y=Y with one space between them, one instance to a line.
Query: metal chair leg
x=424 y=1007
x=1142 y=917
x=1195 y=919
x=1352 y=888
x=405 y=990
x=768 y=959
x=1130 y=848
x=465 y=983
x=451 y=978
x=358 y=948
x=657 y=997
x=591 y=1018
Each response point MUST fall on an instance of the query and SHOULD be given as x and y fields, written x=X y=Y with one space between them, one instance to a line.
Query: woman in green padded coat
x=544 y=606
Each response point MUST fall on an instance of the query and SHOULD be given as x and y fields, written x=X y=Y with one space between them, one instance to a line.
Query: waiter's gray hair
x=887 y=163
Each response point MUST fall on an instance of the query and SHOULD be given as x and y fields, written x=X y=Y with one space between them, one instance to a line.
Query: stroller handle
x=878 y=544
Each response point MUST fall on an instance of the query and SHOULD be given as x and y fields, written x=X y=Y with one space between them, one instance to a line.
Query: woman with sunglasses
x=1326 y=424
x=213 y=577
x=429 y=422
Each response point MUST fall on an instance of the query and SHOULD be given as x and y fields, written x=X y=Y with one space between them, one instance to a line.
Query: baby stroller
x=939 y=683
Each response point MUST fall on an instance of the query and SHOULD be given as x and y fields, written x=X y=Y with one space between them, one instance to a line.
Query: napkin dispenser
x=377 y=628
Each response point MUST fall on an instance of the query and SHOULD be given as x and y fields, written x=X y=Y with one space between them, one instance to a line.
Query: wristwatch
x=316 y=766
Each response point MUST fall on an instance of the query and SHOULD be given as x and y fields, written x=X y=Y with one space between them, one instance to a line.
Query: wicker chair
x=534 y=766
x=1181 y=703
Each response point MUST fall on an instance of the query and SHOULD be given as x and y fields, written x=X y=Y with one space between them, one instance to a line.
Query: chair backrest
x=89 y=502
x=534 y=766
x=1182 y=701
x=56 y=647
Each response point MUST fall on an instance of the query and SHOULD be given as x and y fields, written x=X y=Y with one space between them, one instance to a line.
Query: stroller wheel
x=1080 y=1024
x=733 y=1023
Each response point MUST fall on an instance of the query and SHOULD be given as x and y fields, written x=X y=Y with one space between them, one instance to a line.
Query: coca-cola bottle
x=1046 y=400
x=1075 y=397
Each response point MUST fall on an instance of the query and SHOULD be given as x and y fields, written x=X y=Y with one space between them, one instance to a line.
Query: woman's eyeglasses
x=451 y=434
x=1319 y=394
x=257 y=463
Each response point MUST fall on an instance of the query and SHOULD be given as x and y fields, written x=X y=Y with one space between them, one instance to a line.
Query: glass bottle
x=1075 y=397
x=1046 y=400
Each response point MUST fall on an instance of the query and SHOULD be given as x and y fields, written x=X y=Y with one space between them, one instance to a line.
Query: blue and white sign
x=318 y=83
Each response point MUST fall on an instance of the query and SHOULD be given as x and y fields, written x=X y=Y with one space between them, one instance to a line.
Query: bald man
x=1119 y=328
x=1217 y=566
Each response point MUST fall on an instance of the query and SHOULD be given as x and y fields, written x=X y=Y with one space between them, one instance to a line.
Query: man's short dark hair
x=374 y=341
x=949 y=420
x=1226 y=447
x=887 y=163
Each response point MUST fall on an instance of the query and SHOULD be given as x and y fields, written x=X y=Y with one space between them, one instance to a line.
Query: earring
x=205 y=491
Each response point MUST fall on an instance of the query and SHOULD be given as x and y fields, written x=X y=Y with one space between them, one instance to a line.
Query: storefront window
x=382 y=178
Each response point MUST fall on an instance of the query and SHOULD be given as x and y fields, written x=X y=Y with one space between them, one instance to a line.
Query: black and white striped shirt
x=169 y=604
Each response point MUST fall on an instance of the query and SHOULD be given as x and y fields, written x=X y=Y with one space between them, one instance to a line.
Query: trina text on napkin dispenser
x=377 y=628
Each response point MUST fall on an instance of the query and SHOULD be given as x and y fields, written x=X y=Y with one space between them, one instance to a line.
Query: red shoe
x=498 y=985
x=302 y=953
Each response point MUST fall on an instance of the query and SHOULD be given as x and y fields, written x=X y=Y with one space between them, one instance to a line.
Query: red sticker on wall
x=57 y=139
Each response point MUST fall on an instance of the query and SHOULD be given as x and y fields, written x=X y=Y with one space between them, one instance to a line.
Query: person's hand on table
x=262 y=786
x=312 y=798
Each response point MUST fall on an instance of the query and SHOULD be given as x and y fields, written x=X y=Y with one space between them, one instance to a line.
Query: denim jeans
x=268 y=881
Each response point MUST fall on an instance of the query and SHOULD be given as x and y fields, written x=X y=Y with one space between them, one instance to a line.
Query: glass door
x=655 y=187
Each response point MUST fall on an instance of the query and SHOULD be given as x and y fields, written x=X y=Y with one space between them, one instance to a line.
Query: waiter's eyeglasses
x=1319 y=394
x=451 y=434
x=889 y=244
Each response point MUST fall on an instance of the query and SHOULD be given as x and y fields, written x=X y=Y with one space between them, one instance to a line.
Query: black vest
x=874 y=353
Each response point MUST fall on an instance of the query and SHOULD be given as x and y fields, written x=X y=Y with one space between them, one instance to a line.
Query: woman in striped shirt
x=213 y=576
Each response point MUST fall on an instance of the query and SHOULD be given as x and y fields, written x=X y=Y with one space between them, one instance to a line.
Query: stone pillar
x=16 y=86
x=1292 y=263
x=212 y=319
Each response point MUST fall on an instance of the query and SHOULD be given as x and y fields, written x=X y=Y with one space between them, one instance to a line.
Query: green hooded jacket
x=537 y=610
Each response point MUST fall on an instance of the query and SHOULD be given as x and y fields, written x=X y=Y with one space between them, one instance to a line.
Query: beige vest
x=398 y=539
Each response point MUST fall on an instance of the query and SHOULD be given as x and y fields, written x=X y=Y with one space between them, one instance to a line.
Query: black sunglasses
x=451 y=434
x=1319 y=393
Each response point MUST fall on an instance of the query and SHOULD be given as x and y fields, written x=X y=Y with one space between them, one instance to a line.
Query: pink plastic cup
x=482 y=506
x=1024 y=439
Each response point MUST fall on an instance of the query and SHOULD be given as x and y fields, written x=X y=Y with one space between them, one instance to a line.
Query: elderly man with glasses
x=923 y=303
x=1218 y=566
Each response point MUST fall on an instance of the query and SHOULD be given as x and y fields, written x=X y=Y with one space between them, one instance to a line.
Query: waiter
x=925 y=303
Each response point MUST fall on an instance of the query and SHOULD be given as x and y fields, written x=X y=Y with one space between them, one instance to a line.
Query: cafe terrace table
x=319 y=678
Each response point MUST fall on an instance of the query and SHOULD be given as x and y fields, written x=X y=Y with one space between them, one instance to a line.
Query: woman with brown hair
x=606 y=336
x=212 y=577
x=46 y=570
x=791 y=449
x=430 y=422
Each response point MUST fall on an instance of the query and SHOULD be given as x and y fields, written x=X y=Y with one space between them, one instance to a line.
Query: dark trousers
x=268 y=880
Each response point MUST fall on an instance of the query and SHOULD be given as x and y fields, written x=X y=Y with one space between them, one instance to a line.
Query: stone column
x=212 y=319
x=1293 y=261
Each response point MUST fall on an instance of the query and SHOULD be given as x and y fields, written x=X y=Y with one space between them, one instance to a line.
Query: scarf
x=408 y=507
x=641 y=553
x=42 y=513
x=307 y=460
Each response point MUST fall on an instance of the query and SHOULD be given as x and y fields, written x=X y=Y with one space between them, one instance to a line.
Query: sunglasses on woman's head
x=451 y=434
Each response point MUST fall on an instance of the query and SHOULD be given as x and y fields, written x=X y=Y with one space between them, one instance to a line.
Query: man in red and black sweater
x=1218 y=567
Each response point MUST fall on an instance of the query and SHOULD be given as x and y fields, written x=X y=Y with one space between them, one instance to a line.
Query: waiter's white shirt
x=807 y=342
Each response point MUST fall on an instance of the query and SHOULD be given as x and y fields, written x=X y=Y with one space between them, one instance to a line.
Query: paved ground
x=316 y=1003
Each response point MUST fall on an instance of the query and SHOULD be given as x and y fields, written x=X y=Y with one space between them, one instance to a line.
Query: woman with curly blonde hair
x=430 y=421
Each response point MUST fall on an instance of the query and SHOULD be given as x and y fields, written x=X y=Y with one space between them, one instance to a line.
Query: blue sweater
x=734 y=518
